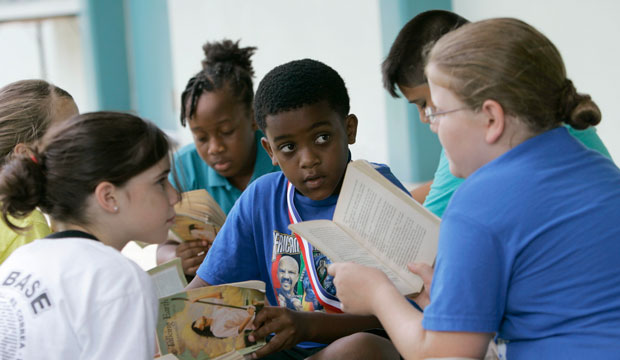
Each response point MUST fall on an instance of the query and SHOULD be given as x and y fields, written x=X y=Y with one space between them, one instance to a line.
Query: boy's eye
x=322 y=139
x=287 y=148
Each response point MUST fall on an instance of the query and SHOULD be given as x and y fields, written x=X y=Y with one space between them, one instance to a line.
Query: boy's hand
x=192 y=253
x=285 y=323
x=359 y=288
x=426 y=273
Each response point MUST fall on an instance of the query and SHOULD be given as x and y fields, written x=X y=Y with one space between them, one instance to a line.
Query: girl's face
x=223 y=131
x=461 y=132
x=147 y=204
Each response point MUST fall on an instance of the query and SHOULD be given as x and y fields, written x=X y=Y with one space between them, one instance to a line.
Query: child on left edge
x=226 y=154
x=27 y=109
x=303 y=109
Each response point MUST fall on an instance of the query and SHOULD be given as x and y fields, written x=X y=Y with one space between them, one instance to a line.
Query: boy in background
x=303 y=109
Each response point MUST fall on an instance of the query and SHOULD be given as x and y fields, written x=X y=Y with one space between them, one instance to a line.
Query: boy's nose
x=423 y=117
x=309 y=158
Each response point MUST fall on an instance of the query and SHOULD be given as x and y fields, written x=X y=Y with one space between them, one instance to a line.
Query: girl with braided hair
x=226 y=154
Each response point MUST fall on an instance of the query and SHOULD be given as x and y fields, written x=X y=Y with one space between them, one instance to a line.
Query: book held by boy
x=376 y=224
x=212 y=322
x=199 y=217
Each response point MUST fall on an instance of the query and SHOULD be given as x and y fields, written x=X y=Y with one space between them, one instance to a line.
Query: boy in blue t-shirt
x=303 y=109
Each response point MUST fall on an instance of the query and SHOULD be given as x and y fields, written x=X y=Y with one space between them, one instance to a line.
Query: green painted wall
x=127 y=44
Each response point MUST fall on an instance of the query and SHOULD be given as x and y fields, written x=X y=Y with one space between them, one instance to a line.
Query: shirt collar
x=71 y=234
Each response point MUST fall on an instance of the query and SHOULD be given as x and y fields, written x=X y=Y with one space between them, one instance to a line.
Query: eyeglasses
x=432 y=115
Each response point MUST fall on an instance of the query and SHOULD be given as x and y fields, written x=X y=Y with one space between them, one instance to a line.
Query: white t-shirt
x=75 y=298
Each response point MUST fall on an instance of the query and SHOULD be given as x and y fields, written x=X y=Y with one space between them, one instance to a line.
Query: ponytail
x=22 y=187
x=577 y=110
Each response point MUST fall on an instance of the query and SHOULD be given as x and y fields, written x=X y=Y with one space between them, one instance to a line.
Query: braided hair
x=225 y=65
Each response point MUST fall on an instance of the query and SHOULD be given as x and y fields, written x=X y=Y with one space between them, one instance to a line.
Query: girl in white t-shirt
x=103 y=178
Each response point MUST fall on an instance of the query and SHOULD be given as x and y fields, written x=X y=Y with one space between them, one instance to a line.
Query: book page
x=168 y=278
x=339 y=246
x=386 y=218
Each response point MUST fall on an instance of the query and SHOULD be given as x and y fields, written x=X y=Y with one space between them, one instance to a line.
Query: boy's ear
x=267 y=147
x=350 y=124
x=105 y=195
x=495 y=120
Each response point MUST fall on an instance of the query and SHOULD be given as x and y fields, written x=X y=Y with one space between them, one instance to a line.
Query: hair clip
x=34 y=159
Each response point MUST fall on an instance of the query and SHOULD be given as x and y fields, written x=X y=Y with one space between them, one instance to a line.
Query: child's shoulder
x=268 y=182
x=385 y=170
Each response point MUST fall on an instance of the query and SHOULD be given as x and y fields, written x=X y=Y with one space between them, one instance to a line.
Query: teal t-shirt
x=444 y=183
x=193 y=174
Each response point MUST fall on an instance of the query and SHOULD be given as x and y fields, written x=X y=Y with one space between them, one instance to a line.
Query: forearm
x=325 y=328
x=403 y=324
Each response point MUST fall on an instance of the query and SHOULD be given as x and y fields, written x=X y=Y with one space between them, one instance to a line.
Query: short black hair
x=298 y=83
x=225 y=64
x=404 y=63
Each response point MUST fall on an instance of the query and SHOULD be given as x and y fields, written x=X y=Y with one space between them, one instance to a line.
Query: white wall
x=586 y=33
x=55 y=56
x=344 y=34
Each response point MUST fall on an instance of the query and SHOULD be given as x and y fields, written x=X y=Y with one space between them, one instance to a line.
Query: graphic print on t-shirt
x=289 y=276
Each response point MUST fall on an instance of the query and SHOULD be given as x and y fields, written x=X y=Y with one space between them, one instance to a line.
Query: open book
x=212 y=322
x=198 y=216
x=168 y=278
x=376 y=224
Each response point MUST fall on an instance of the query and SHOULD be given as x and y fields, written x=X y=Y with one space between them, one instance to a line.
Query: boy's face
x=223 y=132
x=311 y=146
x=420 y=96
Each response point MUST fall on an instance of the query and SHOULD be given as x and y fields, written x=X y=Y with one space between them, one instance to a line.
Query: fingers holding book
x=192 y=253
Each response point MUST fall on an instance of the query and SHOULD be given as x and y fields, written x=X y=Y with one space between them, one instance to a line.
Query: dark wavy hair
x=73 y=158
x=225 y=65
x=405 y=62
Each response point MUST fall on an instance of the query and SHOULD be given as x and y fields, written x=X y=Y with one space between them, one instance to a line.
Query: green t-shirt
x=444 y=183
x=193 y=173
x=11 y=240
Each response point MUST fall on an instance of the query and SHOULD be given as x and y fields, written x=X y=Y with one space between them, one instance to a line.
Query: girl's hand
x=426 y=273
x=359 y=288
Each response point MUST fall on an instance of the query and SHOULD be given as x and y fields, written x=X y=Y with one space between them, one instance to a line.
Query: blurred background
x=137 y=55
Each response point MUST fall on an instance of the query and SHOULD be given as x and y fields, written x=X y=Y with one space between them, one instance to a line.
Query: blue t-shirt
x=193 y=173
x=255 y=238
x=444 y=183
x=529 y=248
